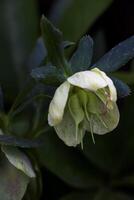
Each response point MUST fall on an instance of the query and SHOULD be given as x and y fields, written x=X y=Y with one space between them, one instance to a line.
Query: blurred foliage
x=18 y=34
x=75 y=17
x=101 y=171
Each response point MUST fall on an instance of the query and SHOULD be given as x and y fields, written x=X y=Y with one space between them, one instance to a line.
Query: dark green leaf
x=67 y=164
x=48 y=75
x=19 y=142
x=29 y=85
x=18 y=33
x=53 y=42
x=38 y=54
x=81 y=59
x=19 y=160
x=117 y=56
x=122 y=89
x=75 y=17
x=13 y=182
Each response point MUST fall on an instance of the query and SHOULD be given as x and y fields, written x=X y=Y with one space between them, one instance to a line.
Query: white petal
x=66 y=130
x=58 y=103
x=89 y=80
x=113 y=92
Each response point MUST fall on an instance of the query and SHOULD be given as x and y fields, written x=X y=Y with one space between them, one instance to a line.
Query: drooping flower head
x=86 y=101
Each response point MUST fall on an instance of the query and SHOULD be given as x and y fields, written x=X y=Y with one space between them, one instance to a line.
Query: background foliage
x=101 y=171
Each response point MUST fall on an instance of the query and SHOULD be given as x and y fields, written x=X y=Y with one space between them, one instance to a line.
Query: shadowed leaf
x=19 y=160
x=13 y=182
x=19 y=142
x=123 y=89
x=81 y=59
x=117 y=56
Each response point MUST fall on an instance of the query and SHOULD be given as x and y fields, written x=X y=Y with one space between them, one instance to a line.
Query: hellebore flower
x=86 y=101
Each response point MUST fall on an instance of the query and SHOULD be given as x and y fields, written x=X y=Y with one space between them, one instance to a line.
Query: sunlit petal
x=58 y=103
x=89 y=80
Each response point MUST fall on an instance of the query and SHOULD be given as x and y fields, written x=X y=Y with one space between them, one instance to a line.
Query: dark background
x=118 y=24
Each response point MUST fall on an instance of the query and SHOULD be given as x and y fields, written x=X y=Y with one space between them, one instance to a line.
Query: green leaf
x=48 y=75
x=67 y=164
x=19 y=142
x=19 y=160
x=81 y=59
x=29 y=85
x=39 y=53
x=54 y=44
x=18 y=34
x=13 y=182
x=117 y=56
x=123 y=89
x=78 y=16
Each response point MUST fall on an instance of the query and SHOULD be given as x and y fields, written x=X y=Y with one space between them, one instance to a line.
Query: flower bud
x=85 y=102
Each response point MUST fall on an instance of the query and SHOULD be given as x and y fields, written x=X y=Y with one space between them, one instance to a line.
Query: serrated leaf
x=13 y=182
x=19 y=142
x=19 y=160
x=81 y=59
x=117 y=56
x=48 y=75
x=39 y=53
x=53 y=42
x=123 y=89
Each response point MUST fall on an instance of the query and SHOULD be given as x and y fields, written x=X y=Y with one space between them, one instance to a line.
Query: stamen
x=91 y=129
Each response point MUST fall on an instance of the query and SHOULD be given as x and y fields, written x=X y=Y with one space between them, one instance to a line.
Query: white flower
x=85 y=101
